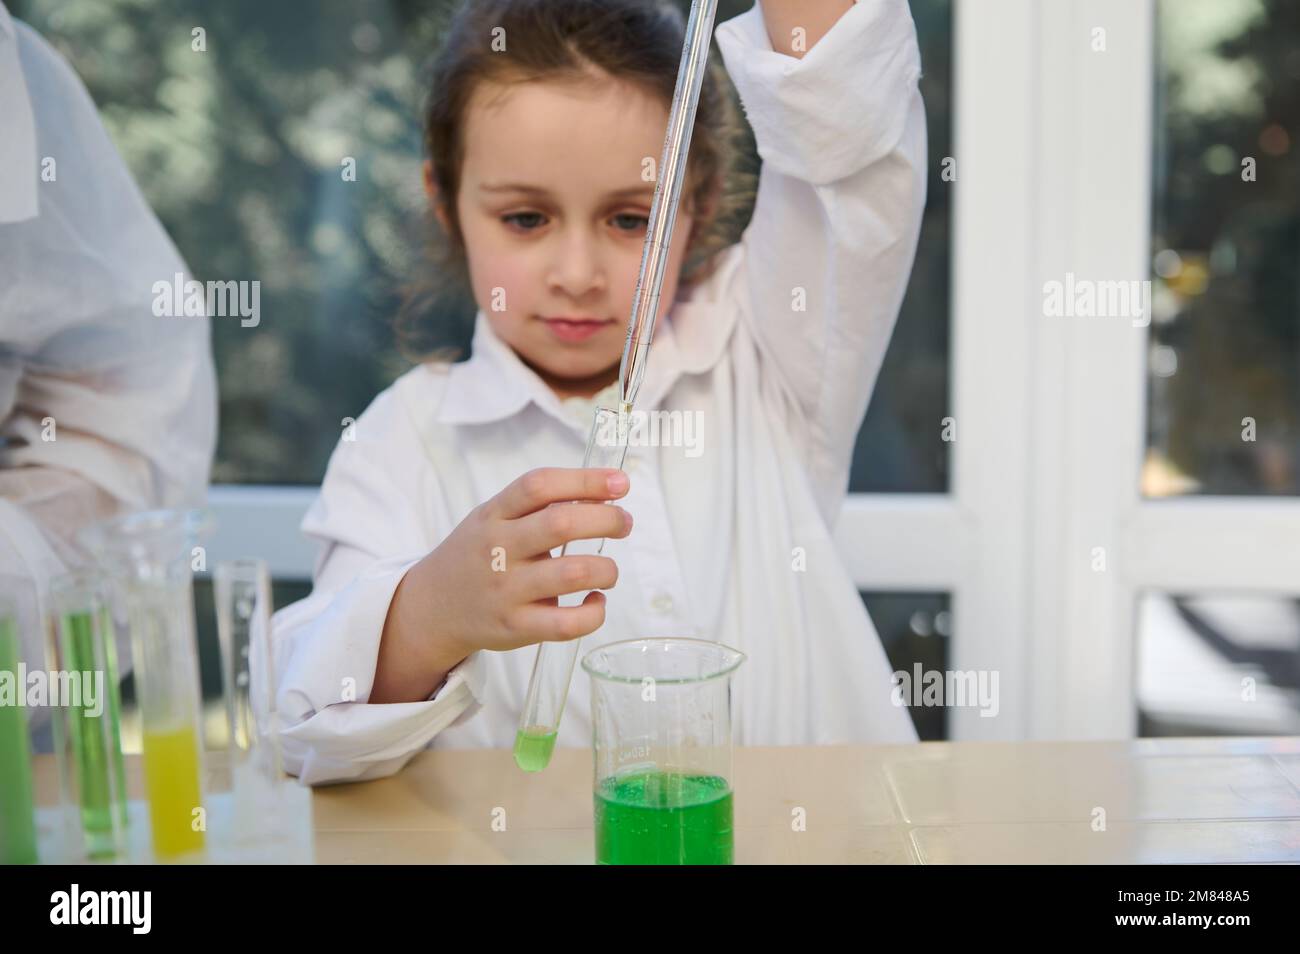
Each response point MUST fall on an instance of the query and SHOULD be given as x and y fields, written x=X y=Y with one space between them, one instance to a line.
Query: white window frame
x=1053 y=146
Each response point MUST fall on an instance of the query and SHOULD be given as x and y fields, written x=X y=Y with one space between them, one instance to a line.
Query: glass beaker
x=148 y=555
x=661 y=726
x=84 y=653
x=273 y=813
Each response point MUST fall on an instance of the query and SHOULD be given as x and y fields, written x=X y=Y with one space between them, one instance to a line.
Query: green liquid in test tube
x=96 y=739
x=17 y=809
x=533 y=748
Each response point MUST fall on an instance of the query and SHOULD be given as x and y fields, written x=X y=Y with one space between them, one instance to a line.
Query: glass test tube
x=548 y=688
x=273 y=817
x=149 y=557
x=92 y=772
x=242 y=592
x=17 y=808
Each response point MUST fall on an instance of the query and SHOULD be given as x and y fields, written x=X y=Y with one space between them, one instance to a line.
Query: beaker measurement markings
x=639 y=750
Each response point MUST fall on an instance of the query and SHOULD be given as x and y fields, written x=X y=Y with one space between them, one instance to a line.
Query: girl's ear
x=709 y=207
x=431 y=191
x=702 y=212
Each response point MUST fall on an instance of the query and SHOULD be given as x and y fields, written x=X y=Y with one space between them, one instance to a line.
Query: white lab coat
x=716 y=536
x=132 y=397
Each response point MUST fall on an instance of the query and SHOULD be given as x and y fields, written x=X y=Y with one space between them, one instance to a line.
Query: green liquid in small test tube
x=664 y=818
x=96 y=746
x=533 y=748
x=17 y=810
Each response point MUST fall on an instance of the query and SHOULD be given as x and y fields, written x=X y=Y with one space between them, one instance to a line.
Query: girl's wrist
x=427 y=626
x=415 y=651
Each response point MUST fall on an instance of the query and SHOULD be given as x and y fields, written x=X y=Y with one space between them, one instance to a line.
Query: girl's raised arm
x=840 y=127
x=795 y=26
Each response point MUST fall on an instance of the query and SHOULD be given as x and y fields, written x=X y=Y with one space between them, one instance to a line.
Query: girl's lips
x=574 y=330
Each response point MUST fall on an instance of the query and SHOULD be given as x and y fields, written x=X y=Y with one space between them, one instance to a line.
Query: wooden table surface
x=1227 y=800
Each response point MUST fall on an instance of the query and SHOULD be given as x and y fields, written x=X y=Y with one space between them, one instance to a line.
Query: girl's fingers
x=549 y=578
x=547 y=485
x=550 y=623
x=540 y=533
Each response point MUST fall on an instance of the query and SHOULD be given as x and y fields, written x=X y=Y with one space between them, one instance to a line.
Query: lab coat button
x=663 y=603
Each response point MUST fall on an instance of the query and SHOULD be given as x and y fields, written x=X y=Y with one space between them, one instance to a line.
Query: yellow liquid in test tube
x=171 y=778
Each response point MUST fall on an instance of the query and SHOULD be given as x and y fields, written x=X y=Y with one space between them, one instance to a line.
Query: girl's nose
x=579 y=266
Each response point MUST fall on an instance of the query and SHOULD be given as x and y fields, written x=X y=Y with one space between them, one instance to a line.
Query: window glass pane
x=1218 y=664
x=900 y=447
x=1224 y=376
x=916 y=630
x=241 y=151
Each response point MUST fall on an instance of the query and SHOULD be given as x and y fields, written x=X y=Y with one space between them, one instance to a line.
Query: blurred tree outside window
x=242 y=150
x=1224 y=378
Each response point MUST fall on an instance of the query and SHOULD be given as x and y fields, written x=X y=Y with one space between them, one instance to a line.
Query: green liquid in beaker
x=533 y=748
x=664 y=818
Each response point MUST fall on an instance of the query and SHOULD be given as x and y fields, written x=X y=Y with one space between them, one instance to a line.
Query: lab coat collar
x=18 y=200
x=494 y=383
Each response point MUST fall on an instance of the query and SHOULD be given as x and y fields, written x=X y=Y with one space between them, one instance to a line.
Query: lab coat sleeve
x=117 y=406
x=827 y=254
x=371 y=520
x=131 y=394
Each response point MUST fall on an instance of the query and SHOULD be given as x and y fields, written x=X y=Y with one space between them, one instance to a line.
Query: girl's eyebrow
x=646 y=189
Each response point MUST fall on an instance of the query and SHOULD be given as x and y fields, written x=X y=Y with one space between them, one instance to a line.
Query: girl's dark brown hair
x=637 y=41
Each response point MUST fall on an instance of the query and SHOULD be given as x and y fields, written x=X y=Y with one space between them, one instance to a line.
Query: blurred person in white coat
x=104 y=407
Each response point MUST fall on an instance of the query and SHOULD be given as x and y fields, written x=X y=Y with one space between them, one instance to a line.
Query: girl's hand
x=493 y=584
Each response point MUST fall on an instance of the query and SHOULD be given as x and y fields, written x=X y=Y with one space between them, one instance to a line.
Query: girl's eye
x=530 y=221
x=524 y=220
x=637 y=222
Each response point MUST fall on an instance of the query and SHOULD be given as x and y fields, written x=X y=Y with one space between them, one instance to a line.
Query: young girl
x=440 y=571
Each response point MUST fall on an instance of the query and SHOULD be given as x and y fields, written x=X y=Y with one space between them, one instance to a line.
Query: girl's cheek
x=500 y=278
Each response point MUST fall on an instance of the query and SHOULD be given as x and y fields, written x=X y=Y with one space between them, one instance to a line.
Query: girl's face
x=554 y=209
